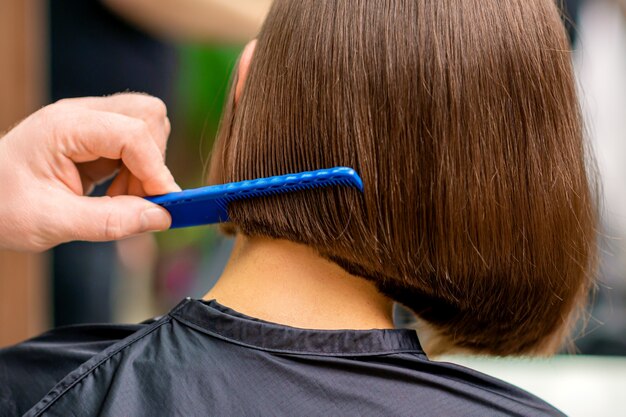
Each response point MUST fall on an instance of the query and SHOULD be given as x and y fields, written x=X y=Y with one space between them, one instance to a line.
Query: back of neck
x=291 y=284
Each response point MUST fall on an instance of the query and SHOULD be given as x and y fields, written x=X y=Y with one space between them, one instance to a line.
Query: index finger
x=98 y=134
x=138 y=105
x=150 y=109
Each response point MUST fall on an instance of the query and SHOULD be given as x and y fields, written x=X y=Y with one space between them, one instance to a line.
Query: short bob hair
x=461 y=117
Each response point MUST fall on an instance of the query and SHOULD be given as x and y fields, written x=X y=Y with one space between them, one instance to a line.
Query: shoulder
x=479 y=394
x=145 y=370
x=93 y=380
x=30 y=369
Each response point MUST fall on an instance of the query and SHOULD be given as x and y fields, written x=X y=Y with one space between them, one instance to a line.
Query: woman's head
x=462 y=119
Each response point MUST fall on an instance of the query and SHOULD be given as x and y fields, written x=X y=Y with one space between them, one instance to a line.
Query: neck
x=291 y=284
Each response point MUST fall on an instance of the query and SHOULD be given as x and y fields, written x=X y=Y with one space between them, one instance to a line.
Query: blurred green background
x=201 y=89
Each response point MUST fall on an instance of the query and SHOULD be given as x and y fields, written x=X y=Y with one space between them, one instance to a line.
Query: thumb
x=113 y=218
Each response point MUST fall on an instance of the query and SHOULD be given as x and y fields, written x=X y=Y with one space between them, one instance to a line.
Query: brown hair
x=462 y=119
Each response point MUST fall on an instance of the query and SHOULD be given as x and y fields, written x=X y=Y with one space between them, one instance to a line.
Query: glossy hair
x=461 y=117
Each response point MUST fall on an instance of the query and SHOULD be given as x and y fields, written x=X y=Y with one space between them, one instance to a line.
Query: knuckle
x=113 y=226
x=49 y=112
x=158 y=107
x=50 y=119
x=62 y=102
x=153 y=108
x=146 y=105
x=138 y=129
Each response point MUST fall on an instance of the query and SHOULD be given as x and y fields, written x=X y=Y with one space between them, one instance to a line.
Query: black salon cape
x=204 y=359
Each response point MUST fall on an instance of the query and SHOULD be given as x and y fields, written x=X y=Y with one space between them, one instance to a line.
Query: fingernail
x=155 y=219
x=175 y=184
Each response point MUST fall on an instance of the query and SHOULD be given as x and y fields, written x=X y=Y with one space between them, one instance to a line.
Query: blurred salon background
x=183 y=51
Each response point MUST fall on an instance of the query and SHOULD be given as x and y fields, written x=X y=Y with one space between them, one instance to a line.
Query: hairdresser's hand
x=52 y=159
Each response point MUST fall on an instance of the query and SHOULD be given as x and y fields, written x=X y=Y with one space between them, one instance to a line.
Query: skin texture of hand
x=52 y=159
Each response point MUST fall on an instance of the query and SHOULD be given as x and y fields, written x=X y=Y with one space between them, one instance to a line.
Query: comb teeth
x=209 y=205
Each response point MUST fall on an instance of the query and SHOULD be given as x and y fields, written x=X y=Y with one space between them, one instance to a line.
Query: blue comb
x=208 y=205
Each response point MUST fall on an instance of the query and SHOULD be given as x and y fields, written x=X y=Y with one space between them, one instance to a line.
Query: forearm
x=225 y=21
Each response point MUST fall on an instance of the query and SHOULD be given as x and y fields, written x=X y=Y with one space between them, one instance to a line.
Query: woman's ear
x=244 y=66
